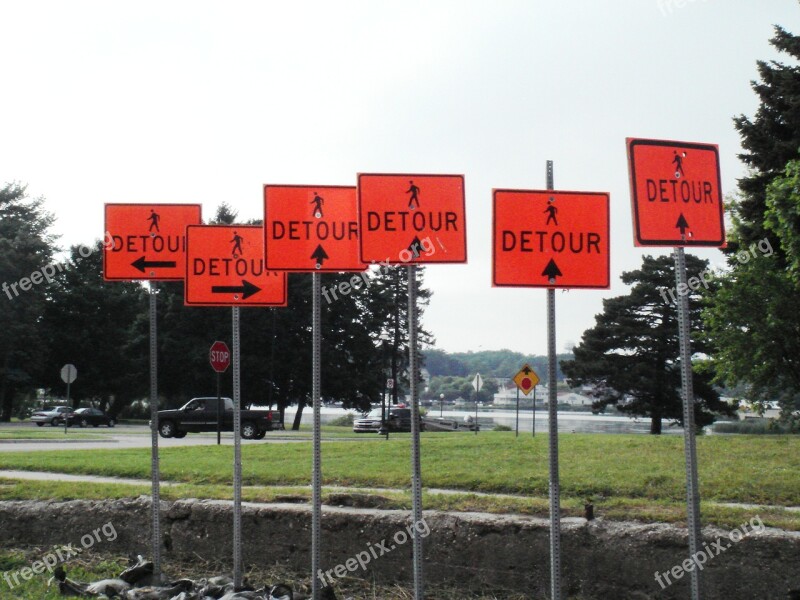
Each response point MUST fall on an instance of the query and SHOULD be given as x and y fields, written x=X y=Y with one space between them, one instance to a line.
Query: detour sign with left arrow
x=550 y=239
x=225 y=267
x=148 y=240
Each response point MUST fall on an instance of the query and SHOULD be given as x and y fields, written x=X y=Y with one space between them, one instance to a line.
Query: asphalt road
x=127 y=436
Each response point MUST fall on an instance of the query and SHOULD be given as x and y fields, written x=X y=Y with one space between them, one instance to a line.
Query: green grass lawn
x=625 y=476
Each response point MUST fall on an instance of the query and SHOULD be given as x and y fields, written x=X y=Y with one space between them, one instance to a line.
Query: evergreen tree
x=751 y=322
x=771 y=139
x=26 y=248
x=88 y=323
x=630 y=358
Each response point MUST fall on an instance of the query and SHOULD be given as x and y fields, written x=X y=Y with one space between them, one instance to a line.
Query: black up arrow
x=142 y=264
x=551 y=271
x=682 y=224
x=527 y=370
x=319 y=255
x=415 y=247
x=247 y=289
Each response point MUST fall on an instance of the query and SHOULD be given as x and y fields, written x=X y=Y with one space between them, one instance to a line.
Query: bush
x=343 y=421
x=756 y=426
x=502 y=428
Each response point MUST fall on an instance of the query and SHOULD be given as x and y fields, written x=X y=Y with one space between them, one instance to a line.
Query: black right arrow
x=682 y=224
x=320 y=255
x=552 y=271
x=143 y=264
x=247 y=289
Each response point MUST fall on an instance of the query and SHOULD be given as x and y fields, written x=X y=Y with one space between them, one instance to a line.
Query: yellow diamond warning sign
x=526 y=379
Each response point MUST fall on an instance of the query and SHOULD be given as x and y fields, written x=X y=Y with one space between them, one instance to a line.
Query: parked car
x=200 y=414
x=397 y=419
x=50 y=414
x=84 y=417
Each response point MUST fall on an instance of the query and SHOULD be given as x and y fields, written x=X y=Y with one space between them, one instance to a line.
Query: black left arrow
x=142 y=264
x=551 y=271
x=319 y=255
x=247 y=289
x=682 y=224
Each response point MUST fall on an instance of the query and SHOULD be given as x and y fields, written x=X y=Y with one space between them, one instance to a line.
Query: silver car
x=54 y=415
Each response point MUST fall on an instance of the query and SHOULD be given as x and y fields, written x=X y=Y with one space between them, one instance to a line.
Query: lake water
x=568 y=421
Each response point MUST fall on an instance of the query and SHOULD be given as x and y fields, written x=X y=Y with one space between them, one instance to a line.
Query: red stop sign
x=219 y=356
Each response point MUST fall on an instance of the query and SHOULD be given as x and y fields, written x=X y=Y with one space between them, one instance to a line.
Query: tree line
x=74 y=316
x=745 y=323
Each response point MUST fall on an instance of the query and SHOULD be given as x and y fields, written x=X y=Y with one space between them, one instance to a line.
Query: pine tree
x=751 y=322
x=26 y=248
x=630 y=357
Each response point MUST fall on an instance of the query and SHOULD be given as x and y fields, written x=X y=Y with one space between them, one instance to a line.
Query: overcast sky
x=198 y=101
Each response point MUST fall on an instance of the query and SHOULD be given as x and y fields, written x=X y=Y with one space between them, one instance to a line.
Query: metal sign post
x=237 y=454
x=690 y=448
x=219 y=409
x=316 y=469
x=552 y=413
x=416 y=475
x=154 y=467
x=516 y=427
x=477 y=383
x=68 y=374
x=533 y=428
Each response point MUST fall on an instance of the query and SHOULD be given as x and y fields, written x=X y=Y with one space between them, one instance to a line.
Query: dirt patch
x=473 y=551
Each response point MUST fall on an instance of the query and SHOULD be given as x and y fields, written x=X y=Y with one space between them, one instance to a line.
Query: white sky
x=199 y=101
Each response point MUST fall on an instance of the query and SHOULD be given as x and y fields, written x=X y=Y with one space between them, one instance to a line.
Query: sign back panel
x=551 y=239
x=676 y=193
x=225 y=267
x=412 y=219
x=147 y=241
x=311 y=228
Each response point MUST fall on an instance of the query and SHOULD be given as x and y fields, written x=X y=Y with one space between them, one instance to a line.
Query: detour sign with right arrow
x=676 y=193
x=225 y=267
x=550 y=239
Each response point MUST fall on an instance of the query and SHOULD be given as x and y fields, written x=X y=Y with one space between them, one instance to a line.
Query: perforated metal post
x=237 y=453
x=552 y=413
x=316 y=475
x=416 y=475
x=154 y=467
x=689 y=446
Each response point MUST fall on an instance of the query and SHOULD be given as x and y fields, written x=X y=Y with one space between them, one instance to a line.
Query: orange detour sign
x=225 y=267
x=311 y=228
x=550 y=239
x=676 y=193
x=412 y=219
x=148 y=241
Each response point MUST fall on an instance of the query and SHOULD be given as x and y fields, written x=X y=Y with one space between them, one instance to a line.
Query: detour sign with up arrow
x=311 y=228
x=148 y=241
x=412 y=219
x=550 y=239
x=225 y=267
x=676 y=193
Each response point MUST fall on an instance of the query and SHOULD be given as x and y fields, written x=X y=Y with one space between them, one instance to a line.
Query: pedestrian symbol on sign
x=317 y=202
x=414 y=191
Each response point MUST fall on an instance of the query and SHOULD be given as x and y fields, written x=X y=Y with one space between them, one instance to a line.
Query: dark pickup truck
x=200 y=414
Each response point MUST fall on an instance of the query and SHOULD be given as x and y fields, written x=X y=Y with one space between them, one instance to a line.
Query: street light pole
x=441 y=405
